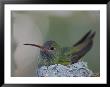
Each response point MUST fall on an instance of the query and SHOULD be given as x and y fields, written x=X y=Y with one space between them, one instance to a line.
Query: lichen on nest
x=79 y=69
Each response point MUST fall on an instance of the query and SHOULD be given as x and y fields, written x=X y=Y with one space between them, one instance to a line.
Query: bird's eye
x=52 y=48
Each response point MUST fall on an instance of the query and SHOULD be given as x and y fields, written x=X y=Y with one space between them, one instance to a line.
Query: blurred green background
x=67 y=27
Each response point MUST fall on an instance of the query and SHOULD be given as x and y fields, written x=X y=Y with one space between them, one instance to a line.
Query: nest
x=79 y=69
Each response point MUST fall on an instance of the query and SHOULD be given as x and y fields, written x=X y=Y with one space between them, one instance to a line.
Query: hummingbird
x=53 y=53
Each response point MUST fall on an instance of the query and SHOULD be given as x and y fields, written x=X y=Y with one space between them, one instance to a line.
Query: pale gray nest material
x=79 y=69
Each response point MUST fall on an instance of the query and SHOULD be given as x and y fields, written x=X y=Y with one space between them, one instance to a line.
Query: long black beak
x=41 y=47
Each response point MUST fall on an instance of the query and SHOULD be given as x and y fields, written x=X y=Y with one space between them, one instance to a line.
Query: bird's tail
x=87 y=36
x=83 y=45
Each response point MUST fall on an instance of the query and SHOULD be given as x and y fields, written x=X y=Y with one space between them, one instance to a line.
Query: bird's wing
x=82 y=46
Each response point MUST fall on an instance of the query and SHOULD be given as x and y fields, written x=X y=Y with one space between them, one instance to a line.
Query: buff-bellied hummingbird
x=52 y=53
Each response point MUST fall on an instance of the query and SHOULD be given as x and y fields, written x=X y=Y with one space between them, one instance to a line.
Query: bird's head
x=49 y=50
x=53 y=49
